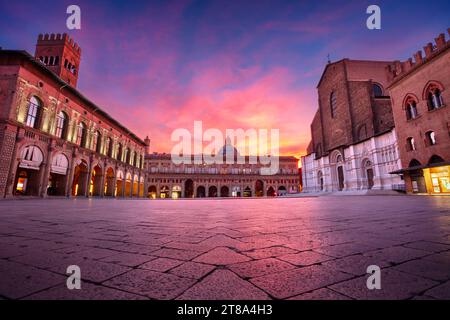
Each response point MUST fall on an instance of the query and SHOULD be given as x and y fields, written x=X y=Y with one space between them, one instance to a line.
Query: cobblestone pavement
x=299 y=248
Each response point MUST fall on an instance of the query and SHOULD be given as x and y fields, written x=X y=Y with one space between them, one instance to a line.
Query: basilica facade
x=53 y=140
x=383 y=125
x=354 y=143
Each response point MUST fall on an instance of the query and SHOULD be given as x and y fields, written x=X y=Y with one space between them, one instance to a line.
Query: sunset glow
x=161 y=65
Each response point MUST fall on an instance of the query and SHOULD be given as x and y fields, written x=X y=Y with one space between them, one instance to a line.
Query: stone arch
x=367 y=173
x=96 y=186
x=164 y=192
x=58 y=175
x=320 y=180
x=120 y=183
x=27 y=178
x=337 y=165
x=135 y=185
x=212 y=192
x=408 y=97
x=201 y=192
x=435 y=159
x=189 y=188
x=152 y=192
x=259 y=188
x=80 y=178
x=176 y=192
x=109 y=182
x=282 y=191
x=224 y=192
x=430 y=85
x=271 y=192
x=128 y=185
x=414 y=163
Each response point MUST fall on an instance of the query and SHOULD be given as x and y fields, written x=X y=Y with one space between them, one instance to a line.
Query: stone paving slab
x=394 y=286
x=294 y=282
x=223 y=285
x=305 y=248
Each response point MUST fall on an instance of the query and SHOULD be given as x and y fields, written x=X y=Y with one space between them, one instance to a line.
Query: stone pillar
x=132 y=185
x=87 y=183
x=45 y=173
x=139 y=186
x=102 y=184
x=69 y=177
x=145 y=193
x=8 y=164
x=113 y=191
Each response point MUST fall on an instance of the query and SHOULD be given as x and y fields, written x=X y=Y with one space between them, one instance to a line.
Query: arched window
x=141 y=163
x=97 y=143
x=411 y=109
x=119 y=152
x=56 y=60
x=338 y=159
x=61 y=125
x=410 y=144
x=109 y=147
x=127 y=155
x=81 y=135
x=34 y=111
x=434 y=98
x=430 y=137
x=333 y=104
x=135 y=159
x=377 y=90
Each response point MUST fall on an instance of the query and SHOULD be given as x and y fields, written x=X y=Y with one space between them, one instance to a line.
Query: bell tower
x=60 y=54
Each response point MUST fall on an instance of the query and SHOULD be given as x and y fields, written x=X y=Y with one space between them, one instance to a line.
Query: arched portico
x=80 y=177
x=96 y=186
x=28 y=171
x=109 y=182
x=58 y=175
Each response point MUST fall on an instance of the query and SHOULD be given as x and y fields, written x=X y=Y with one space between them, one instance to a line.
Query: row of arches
x=201 y=191
x=338 y=176
x=432 y=94
x=35 y=178
x=432 y=177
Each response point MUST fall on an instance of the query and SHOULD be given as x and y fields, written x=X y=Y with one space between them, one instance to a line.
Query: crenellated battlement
x=46 y=39
x=400 y=68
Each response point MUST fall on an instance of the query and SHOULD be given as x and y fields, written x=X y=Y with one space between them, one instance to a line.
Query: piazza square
x=248 y=249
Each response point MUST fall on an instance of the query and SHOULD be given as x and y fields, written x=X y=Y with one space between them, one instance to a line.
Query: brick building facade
x=189 y=180
x=420 y=96
x=353 y=141
x=53 y=140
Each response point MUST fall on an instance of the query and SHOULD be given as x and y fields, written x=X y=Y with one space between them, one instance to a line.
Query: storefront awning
x=425 y=166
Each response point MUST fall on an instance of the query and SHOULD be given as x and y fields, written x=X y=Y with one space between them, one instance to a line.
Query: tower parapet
x=401 y=68
x=61 y=54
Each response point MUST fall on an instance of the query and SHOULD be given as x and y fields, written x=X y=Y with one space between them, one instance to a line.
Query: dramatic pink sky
x=159 y=65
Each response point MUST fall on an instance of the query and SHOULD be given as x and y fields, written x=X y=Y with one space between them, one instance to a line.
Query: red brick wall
x=352 y=81
x=336 y=131
x=437 y=120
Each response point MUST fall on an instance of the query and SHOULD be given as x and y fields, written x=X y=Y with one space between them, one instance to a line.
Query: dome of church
x=228 y=149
